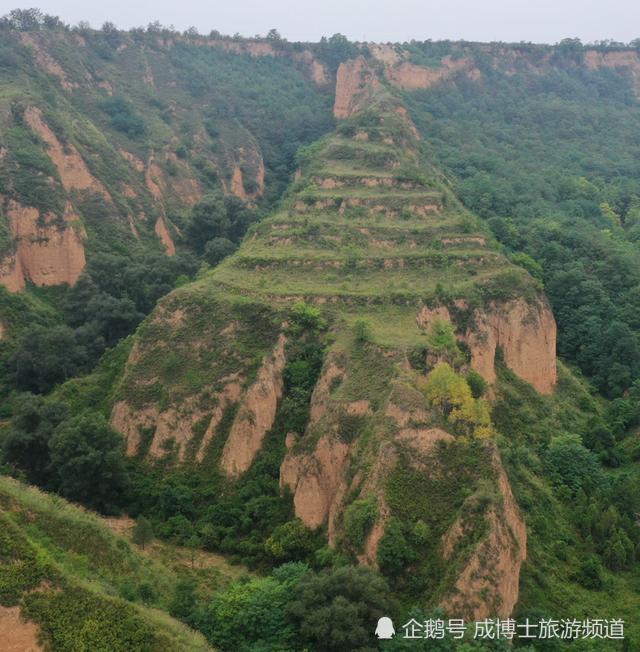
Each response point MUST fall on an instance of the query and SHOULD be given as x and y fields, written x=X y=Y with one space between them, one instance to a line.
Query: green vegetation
x=66 y=570
x=558 y=192
x=525 y=179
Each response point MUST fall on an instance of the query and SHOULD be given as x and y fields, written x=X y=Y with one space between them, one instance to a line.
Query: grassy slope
x=62 y=563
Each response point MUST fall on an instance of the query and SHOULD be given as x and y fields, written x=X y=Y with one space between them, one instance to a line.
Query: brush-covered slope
x=67 y=582
x=372 y=258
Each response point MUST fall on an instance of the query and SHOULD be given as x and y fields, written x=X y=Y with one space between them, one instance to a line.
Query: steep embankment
x=416 y=295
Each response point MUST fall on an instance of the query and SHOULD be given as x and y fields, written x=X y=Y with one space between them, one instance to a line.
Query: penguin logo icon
x=385 y=629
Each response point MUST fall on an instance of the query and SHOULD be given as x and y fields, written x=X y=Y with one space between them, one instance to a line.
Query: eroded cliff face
x=315 y=480
x=628 y=60
x=324 y=478
x=73 y=171
x=410 y=77
x=163 y=234
x=370 y=419
x=48 y=250
x=256 y=414
x=356 y=82
x=525 y=332
x=488 y=585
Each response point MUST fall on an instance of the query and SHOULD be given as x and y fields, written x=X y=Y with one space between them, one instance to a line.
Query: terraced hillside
x=372 y=264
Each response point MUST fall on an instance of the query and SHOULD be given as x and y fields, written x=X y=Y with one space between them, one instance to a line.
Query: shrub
x=395 y=552
x=335 y=609
x=477 y=383
x=361 y=331
x=570 y=464
x=359 y=518
x=291 y=541
x=217 y=249
x=123 y=116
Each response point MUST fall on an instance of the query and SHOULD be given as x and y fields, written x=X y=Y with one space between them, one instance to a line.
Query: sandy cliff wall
x=256 y=414
x=73 y=171
x=355 y=83
x=485 y=590
x=49 y=251
x=526 y=334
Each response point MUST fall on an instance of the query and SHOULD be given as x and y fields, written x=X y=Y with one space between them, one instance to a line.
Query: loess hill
x=371 y=377
x=371 y=254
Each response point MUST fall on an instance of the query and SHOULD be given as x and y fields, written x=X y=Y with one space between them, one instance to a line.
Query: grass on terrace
x=361 y=282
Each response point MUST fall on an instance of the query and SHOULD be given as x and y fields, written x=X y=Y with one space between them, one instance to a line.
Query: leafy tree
x=590 y=573
x=252 y=615
x=217 y=249
x=209 y=220
x=335 y=609
x=87 y=462
x=359 y=517
x=619 y=552
x=26 y=444
x=451 y=394
x=570 y=464
x=47 y=356
x=123 y=116
x=193 y=543
x=142 y=532
x=26 y=20
x=184 y=602
x=336 y=49
x=395 y=551
x=361 y=331
x=441 y=340
x=477 y=384
x=291 y=541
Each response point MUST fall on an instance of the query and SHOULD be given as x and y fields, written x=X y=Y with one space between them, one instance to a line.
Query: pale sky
x=374 y=20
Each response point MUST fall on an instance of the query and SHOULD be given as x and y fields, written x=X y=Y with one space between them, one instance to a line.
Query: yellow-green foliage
x=450 y=393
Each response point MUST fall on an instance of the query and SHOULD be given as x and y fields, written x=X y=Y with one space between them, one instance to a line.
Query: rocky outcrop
x=527 y=337
x=174 y=425
x=483 y=589
x=250 y=159
x=11 y=273
x=231 y=394
x=237 y=184
x=153 y=178
x=525 y=332
x=256 y=414
x=49 y=250
x=73 y=171
x=356 y=82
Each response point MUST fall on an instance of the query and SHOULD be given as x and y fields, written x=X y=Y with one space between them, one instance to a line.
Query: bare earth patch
x=17 y=635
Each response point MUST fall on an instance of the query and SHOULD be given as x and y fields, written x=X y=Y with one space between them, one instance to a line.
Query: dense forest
x=310 y=244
